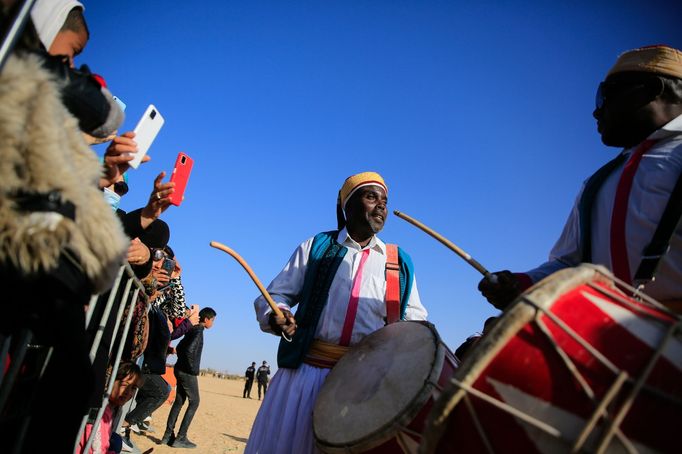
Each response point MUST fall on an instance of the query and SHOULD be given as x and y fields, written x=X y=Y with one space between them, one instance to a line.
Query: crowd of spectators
x=76 y=360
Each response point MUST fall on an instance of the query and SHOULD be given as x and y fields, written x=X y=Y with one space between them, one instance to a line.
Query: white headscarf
x=49 y=17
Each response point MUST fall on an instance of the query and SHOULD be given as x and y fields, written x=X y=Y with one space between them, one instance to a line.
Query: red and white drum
x=573 y=366
x=376 y=399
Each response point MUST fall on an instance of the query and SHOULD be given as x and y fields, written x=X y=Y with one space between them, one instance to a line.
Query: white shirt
x=371 y=312
x=653 y=182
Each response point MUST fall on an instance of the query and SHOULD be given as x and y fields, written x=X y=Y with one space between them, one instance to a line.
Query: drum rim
x=543 y=294
x=408 y=413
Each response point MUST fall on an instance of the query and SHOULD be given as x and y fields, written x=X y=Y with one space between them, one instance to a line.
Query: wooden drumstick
x=263 y=291
x=450 y=245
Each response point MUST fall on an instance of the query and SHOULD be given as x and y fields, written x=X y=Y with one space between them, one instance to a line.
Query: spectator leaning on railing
x=59 y=241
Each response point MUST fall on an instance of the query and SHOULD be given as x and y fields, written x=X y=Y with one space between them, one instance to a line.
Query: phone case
x=168 y=265
x=145 y=132
x=180 y=176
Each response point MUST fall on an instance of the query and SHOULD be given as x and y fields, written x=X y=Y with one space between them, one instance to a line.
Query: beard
x=375 y=225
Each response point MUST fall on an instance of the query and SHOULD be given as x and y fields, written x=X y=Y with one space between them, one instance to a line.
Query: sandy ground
x=221 y=424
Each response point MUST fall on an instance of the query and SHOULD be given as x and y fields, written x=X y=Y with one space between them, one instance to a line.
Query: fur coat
x=41 y=150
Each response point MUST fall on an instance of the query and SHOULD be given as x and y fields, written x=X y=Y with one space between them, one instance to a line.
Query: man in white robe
x=353 y=307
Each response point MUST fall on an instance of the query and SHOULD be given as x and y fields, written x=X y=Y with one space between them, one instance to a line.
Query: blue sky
x=477 y=114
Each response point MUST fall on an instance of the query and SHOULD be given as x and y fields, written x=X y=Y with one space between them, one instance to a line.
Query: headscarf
x=49 y=16
x=350 y=186
x=659 y=59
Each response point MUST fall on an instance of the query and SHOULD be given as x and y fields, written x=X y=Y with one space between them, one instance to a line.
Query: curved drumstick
x=450 y=245
x=263 y=291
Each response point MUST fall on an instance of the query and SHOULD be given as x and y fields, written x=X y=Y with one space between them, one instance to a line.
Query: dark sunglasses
x=121 y=188
x=622 y=89
x=158 y=254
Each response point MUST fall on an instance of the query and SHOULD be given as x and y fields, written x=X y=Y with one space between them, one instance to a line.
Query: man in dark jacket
x=186 y=370
x=263 y=377
x=250 y=374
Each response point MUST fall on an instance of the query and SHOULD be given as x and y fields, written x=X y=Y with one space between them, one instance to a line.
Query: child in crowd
x=186 y=370
x=128 y=380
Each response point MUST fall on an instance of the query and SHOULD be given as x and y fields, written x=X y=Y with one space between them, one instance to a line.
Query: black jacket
x=262 y=374
x=157 y=345
x=189 y=351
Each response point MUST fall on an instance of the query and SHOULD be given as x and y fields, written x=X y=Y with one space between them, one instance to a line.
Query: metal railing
x=100 y=318
x=21 y=12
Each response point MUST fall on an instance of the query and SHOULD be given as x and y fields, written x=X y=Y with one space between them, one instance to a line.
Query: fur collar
x=42 y=149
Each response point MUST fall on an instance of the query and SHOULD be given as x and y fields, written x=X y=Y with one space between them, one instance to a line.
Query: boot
x=183 y=442
x=168 y=438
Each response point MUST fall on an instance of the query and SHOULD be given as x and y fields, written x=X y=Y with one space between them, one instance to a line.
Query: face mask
x=112 y=198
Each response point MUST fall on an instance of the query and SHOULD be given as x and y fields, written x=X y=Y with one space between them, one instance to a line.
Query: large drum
x=573 y=366
x=379 y=394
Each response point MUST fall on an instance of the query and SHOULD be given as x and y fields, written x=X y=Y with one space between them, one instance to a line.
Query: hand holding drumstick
x=502 y=291
x=284 y=324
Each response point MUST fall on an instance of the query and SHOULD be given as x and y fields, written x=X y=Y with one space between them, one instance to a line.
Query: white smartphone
x=145 y=132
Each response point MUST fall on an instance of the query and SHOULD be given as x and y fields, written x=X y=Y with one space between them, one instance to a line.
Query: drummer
x=338 y=280
x=620 y=208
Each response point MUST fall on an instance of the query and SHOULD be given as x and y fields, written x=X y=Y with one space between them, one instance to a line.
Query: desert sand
x=222 y=422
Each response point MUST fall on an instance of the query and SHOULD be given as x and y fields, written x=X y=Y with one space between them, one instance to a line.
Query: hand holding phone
x=180 y=176
x=168 y=265
x=145 y=132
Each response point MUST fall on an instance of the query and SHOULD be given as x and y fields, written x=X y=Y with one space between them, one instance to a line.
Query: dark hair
x=672 y=89
x=205 y=313
x=126 y=369
x=75 y=21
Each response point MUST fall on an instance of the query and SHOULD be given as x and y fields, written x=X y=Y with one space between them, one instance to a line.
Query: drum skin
x=520 y=363
x=378 y=396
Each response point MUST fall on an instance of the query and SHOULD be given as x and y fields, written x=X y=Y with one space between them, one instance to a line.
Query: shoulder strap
x=659 y=244
x=392 y=284
x=592 y=186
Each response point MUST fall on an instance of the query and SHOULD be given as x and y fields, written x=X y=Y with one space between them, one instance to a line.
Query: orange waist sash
x=323 y=354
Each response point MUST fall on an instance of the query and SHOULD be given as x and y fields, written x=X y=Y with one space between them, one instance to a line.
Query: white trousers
x=284 y=424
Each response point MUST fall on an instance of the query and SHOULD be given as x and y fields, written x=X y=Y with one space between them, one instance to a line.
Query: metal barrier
x=126 y=299
x=16 y=25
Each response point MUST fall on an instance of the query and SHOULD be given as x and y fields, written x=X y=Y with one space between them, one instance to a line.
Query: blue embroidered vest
x=326 y=254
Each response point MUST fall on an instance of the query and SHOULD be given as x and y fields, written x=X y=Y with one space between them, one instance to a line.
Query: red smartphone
x=180 y=176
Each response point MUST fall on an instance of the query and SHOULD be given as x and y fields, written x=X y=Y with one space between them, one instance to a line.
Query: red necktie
x=353 y=302
x=619 y=251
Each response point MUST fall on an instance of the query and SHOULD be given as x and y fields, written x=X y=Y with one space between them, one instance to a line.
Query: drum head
x=377 y=387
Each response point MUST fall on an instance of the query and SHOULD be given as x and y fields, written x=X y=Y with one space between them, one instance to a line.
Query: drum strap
x=352 y=310
x=592 y=186
x=619 y=249
x=392 y=284
x=660 y=243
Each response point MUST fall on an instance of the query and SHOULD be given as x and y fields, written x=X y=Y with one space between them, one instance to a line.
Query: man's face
x=69 y=43
x=623 y=110
x=367 y=209
x=208 y=323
